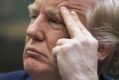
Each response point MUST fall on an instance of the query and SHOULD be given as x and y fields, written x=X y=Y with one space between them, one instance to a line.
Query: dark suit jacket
x=22 y=75
x=109 y=77
x=16 y=75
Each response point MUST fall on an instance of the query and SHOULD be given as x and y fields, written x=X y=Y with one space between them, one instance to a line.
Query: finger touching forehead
x=80 y=6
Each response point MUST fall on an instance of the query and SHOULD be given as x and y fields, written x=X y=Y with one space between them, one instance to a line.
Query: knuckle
x=65 y=48
x=62 y=41
x=59 y=41
x=56 y=49
x=84 y=42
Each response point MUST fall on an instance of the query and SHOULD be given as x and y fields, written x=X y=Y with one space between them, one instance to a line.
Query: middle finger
x=71 y=25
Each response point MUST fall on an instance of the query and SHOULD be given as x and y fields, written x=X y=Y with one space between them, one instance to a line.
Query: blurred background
x=13 y=23
x=14 y=20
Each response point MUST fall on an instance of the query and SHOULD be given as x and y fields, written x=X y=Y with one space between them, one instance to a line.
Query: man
x=61 y=43
x=47 y=31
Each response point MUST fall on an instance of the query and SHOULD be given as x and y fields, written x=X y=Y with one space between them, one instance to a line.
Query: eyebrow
x=54 y=15
x=50 y=13
x=33 y=7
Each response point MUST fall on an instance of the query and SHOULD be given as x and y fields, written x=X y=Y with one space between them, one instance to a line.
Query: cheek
x=56 y=35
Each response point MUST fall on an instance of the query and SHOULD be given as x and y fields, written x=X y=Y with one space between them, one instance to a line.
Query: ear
x=104 y=51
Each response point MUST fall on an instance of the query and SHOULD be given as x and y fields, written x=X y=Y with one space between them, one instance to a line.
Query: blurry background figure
x=13 y=23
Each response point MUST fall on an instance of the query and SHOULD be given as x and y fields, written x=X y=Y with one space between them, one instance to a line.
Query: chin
x=33 y=66
x=36 y=68
x=40 y=70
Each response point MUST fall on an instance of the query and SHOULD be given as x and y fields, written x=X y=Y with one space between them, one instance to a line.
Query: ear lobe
x=104 y=51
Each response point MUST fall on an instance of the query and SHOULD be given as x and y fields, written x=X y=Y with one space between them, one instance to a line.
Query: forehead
x=80 y=6
x=77 y=5
x=58 y=3
x=47 y=6
x=54 y=5
x=48 y=3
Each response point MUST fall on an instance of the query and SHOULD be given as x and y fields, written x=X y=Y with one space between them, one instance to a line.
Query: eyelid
x=33 y=12
x=54 y=18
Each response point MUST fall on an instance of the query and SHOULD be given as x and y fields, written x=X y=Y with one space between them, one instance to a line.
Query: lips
x=32 y=52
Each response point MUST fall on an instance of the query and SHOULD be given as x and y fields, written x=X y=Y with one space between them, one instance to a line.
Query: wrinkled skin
x=45 y=33
x=76 y=57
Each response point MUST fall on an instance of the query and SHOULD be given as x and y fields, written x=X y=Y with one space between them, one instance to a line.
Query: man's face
x=46 y=27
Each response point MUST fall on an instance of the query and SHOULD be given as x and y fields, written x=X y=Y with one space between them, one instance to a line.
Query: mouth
x=34 y=53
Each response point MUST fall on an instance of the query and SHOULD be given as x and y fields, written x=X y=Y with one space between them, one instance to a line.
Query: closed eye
x=54 y=20
x=33 y=17
x=51 y=17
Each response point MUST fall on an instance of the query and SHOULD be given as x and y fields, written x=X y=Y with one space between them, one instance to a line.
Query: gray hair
x=105 y=21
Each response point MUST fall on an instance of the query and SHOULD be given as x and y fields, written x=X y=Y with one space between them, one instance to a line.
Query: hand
x=76 y=57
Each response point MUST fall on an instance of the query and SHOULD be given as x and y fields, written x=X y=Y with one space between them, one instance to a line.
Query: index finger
x=71 y=25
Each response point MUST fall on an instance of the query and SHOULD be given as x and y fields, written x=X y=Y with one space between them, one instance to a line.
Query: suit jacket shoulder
x=109 y=77
x=16 y=75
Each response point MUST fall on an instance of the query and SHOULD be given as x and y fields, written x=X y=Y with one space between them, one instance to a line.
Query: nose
x=35 y=31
